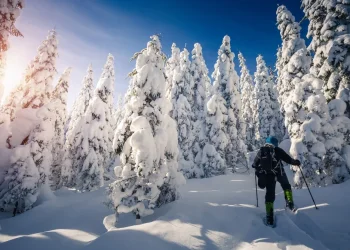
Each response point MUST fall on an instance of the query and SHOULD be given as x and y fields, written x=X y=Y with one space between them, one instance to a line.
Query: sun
x=13 y=74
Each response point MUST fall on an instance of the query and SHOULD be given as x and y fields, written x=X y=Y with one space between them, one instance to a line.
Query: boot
x=288 y=195
x=269 y=213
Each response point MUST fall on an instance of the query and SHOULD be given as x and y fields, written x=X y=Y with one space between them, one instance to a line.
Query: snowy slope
x=214 y=213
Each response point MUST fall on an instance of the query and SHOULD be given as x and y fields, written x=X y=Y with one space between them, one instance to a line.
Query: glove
x=296 y=162
x=259 y=172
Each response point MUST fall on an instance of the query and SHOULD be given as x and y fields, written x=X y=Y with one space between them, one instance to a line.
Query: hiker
x=268 y=169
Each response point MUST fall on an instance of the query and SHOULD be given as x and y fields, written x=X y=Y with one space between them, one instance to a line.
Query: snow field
x=213 y=213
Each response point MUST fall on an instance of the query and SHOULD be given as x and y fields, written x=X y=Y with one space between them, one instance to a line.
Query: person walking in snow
x=268 y=168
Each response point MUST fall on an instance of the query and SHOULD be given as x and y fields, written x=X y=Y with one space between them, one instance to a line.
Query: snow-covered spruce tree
x=81 y=104
x=34 y=91
x=59 y=96
x=214 y=151
x=294 y=61
x=20 y=183
x=247 y=89
x=336 y=68
x=225 y=85
x=9 y=12
x=172 y=64
x=338 y=136
x=330 y=43
x=182 y=103
x=264 y=117
x=35 y=88
x=30 y=163
x=201 y=80
x=148 y=174
x=108 y=72
x=279 y=128
x=308 y=113
x=93 y=144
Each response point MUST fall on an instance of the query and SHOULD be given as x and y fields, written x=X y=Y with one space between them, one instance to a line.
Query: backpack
x=268 y=161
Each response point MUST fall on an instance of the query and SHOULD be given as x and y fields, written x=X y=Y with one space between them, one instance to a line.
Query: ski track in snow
x=214 y=213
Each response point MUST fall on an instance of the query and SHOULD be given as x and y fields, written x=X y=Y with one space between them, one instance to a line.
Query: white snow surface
x=213 y=213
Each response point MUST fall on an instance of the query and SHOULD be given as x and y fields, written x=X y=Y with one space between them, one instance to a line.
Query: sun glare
x=13 y=74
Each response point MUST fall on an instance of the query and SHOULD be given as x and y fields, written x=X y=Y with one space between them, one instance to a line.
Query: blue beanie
x=272 y=140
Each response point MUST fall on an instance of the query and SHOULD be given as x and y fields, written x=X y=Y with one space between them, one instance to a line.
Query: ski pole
x=308 y=187
x=256 y=192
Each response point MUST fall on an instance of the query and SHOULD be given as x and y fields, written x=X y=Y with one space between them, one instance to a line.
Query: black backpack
x=268 y=161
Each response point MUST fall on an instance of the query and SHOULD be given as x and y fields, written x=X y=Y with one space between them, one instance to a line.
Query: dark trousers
x=271 y=185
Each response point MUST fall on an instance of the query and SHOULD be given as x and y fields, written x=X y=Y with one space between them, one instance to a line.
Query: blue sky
x=89 y=30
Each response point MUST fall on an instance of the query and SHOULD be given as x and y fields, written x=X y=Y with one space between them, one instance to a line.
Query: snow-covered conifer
x=68 y=173
x=337 y=137
x=34 y=90
x=182 y=104
x=94 y=143
x=82 y=102
x=329 y=21
x=59 y=96
x=264 y=117
x=30 y=163
x=308 y=115
x=201 y=80
x=171 y=66
x=214 y=151
x=247 y=89
x=225 y=86
x=20 y=184
x=275 y=106
x=147 y=149
x=9 y=12
x=294 y=60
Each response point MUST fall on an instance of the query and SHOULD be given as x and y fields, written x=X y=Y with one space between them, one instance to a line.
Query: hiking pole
x=308 y=187
x=256 y=192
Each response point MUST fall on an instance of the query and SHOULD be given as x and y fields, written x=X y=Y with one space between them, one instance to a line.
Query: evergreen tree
x=337 y=136
x=214 y=151
x=335 y=70
x=247 y=89
x=146 y=147
x=182 y=103
x=279 y=127
x=294 y=59
x=93 y=153
x=82 y=102
x=172 y=65
x=59 y=96
x=309 y=117
x=225 y=86
x=264 y=117
x=328 y=27
x=201 y=80
x=9 y=12
x=34 y=90
x=80 y=106
x=30 y=163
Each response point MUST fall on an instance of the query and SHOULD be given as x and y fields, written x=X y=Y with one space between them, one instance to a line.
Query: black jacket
x=280 y=155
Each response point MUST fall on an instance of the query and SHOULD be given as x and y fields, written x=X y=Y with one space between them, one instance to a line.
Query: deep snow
x=213 y=213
